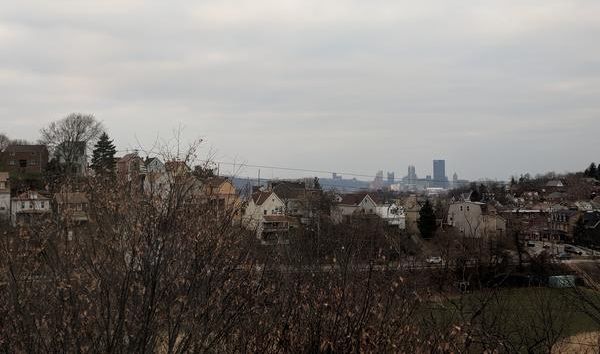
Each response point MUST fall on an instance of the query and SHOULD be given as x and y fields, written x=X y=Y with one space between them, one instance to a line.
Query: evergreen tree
x=579 y=233
x=316 y=183
x=103 y=156
x=427 y=222
x=475 y=195
x=591 y=171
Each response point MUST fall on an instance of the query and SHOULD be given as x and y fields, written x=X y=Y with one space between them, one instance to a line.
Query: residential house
x=25 y=159
x=220 y=192
x=257 y=215
x=29 y=207
x=353 y=204
x=154 y=165
x=4 y=196
x=392 y=214
x=300 y=200
x=583 y=205
x=531 y=223
x=73 y=206
x=274 y=229
x=555 y=184
x=177 y=167
x=590 y=234
x=476 y=219
x=75 y=152
x=561 y=223
x=157 y=181
x=130 y=167
x=412 y=208
x=557 y=196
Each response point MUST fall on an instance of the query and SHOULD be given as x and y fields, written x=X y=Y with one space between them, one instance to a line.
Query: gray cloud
x=496 y=88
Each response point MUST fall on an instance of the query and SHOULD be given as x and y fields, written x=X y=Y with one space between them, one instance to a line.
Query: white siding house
x=29 y=206
x=4 y=196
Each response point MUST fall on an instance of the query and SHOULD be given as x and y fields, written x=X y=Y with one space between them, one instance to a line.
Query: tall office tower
x=377 y=183
x=390 y=177
x=412 y=175
x=439 y=173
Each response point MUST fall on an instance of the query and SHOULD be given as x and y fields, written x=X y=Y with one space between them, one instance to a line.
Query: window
x=2 y=185
x=22 y=205
x=23 y=163
x=31 y=206
x=461 y=208
x=32 y=162
x=468 y=208
x=42 y=205
x=265 y=212
x=12 y=162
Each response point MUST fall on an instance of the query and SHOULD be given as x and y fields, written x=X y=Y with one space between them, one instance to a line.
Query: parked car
x=563 y=255
x=434 y=260
x=572 y=249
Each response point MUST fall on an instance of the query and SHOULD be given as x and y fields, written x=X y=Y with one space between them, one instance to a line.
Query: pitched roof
x=150 y=160
x=129 y=157
x=260 y=197
x=30 y=195
x=215 y=181
x=356 y=198
x=555 y=183
x=287 y=191
x=176 y=166
x=71 y=198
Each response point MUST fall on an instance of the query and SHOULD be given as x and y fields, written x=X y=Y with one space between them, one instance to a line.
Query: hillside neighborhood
x=77 y=215
x=564 y=209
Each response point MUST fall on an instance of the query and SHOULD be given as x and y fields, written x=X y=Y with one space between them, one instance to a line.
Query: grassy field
x=523 y=315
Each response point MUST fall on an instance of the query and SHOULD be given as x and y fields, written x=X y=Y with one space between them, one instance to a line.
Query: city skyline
x=498 y=89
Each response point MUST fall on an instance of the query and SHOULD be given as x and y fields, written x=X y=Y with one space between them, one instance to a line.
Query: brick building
x=24 y=158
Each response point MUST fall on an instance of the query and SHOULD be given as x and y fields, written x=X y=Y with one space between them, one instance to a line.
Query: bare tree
x=71 y=136
x=4 y=141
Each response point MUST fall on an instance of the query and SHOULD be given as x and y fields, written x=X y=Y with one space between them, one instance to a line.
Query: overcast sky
x=494 y=87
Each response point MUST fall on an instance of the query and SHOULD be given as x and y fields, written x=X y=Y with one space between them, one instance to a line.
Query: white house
x=361 y=203
x=28 y=206
x=392 y=215
x=154 y=164
x=475 y=219
x=262 y=204
x=4 y=196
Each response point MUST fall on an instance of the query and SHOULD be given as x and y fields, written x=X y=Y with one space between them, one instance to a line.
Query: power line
x=294 y=169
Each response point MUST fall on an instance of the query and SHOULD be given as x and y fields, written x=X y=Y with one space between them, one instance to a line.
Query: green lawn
x=524 y=314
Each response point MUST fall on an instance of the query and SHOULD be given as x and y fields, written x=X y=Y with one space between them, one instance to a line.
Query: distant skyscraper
x=390 y=177
x=377 y=183
x=411 y=178
x=439 y=173
x=412 y=174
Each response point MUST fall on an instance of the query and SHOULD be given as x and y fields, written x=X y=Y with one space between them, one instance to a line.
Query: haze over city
x=495 y=89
